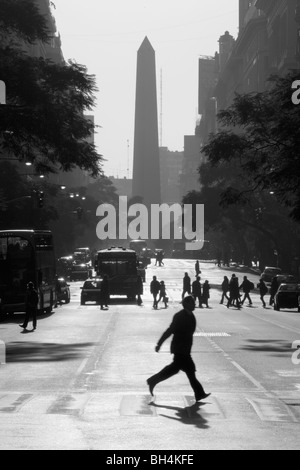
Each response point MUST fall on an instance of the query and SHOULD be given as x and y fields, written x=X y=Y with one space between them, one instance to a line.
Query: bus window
x=126 y=267
x=16 y=262
x=108 y=267
x=26 y=255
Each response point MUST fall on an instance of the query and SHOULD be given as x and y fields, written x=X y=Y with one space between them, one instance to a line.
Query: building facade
x=170 y=175
x=51 y=50
x=267 y=44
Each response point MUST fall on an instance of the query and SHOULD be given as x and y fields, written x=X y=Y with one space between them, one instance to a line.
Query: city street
x=79 y=380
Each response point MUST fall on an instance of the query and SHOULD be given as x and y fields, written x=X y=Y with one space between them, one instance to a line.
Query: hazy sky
x=105 y=35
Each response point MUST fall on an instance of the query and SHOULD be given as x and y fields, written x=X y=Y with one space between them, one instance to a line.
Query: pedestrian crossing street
x=232 y=406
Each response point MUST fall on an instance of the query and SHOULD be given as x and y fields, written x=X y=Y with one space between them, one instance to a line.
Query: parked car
x=80 y=272
x=287 y=296
x=90 y=292
x=63 y=291
x=286 y=279
x=269 y=273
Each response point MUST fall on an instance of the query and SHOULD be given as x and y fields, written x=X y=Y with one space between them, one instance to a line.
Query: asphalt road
x=79 y=380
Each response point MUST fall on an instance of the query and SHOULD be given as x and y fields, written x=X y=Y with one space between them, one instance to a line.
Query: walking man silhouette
x=186 y=285
x=182 y=328
x=197 y=291
x=31 y=304
x=154 y=289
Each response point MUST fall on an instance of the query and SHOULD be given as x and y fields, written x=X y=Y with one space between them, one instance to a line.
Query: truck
x=122 y=268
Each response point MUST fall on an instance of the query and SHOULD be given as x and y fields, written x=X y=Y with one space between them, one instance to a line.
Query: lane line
x=285 y=327
x=255 y=382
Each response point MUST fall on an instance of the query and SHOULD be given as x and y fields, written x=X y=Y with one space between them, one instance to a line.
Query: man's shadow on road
x=187 y=415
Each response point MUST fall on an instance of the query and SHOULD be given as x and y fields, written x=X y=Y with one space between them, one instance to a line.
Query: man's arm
x=165 y=336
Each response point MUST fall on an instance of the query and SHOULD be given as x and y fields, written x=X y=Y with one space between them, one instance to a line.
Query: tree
x=19 y=206
x=261 y=138
x=43 y=121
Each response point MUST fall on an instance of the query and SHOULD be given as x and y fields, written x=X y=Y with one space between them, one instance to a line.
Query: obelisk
x=146 y=171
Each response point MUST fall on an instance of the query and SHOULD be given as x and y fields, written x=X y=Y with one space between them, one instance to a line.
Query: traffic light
x=40 y=196
x=79 y=211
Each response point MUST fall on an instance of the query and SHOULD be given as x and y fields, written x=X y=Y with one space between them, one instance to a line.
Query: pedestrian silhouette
x=104 y=292
x=182 y=328
x=197 y=291
x=140 y=289
x=263 y=290
x=154 y=289
x=234 y=292
x=160 y=257
x=225 y=289
x=197 y=268
x=247 y=286
x=273 y=289
x=163 y=294
x=31 y=304
x=186 y=285
x=205 y=293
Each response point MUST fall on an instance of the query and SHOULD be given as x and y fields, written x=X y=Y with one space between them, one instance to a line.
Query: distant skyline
x=105 y=37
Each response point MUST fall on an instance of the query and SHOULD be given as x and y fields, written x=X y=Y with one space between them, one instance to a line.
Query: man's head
x=30 y=285
x=189 y=303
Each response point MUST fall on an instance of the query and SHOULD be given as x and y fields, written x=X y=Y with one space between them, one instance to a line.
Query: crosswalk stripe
x=224 y=406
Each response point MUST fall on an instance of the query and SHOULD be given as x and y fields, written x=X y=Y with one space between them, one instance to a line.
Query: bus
x=27 y=255
x=82 y=255
x=122 y=268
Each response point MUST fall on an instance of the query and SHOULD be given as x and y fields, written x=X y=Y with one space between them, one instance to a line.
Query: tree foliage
x=260 y=136
x=43 y=121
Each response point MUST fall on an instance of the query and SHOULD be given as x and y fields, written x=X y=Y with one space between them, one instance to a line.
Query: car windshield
x=91 y=284
x=290 y=287
x=272 y=270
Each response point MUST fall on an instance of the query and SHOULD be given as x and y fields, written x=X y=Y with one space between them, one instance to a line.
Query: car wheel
x=68 y=299
x=82 y=302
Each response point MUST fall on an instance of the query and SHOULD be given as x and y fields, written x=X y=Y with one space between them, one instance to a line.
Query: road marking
x=231 y=406
x=255 y=382
x=285 y=327
x=12 y=407
x=71 y=404
x=249 y=376
x=288 y=373
x=136 y=405
x=210 y=407
x=211 y=335
x=272 y=410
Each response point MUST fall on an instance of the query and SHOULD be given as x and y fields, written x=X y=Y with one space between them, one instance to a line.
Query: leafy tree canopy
x=43 y=121
x=260 y=137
